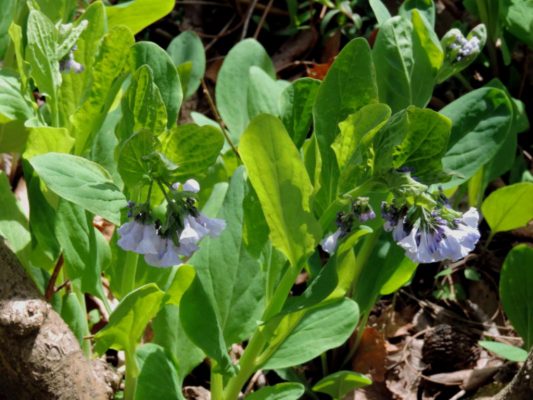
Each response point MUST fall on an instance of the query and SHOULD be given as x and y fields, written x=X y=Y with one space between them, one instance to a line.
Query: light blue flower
x=139 y=237
x=330 y=242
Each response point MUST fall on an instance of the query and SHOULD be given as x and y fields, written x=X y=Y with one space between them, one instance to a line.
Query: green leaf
x=188 y=47
x=158 y=377
x=519 y=19
x=264 y=93
x=416 y=138
x=233 y=81
x=282 y=185
x=75 y=317
x=6 y=18
x=138 y=14
x=128 y=321
x=169 y=333
x=481 y=121
x=516 y=291
x=505 y=351
x=204 y=332
x=13 y=222
x=182 y=280
x=340 y=383
x=231 y=277
x=41 y=53
x=81 y=182
x=349 y=85
x=75 y=233
x=13 y=106
x=352 y=145
x=132 y=164
x=380 y=11
x=509 y=208
x=46 y=139
x=303 y=335
x=165 y=75
x=193 y=148
x=296 y=108
x=142 y=106
x=106 y=80
x=281 y=391
x=426 y=8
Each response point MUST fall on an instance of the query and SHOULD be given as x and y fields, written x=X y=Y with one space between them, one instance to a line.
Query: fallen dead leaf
x=371 y=355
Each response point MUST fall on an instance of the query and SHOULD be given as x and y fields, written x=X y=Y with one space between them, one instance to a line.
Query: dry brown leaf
x=371 y=355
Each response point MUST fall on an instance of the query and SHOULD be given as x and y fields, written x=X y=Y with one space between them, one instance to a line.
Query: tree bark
x=521 y=387
x=39 y=356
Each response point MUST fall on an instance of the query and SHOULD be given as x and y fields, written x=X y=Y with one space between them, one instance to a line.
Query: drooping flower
x=165 y=245
x=360 y=210
x=465 y=46
x=70 y=64
x=428 y=237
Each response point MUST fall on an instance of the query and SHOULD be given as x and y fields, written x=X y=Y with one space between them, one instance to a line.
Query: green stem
x=130 y=271
x=248 y=362
x=247 y=365
x=131 y=376
x=217 y=384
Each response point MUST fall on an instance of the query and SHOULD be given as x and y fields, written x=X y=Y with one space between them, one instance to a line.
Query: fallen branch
x=39 y=356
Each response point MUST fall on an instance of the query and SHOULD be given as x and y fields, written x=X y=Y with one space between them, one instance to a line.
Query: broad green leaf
x=41 y=53
x=349 y=85
x=188 y=47
x=138 y=14
x=169 y=333
x=304 y=335
x=380 y=11
x=340 y=383
x=128 y=321
x=6 y=18
x=75 y=233
x=402 y=274
x=426 y=8
x=73 y=88
x=233 y=81
x=13 y=106
x=81 y=182
x=505 y=351
x=509 y=207
x=282 y=185
x=58 y=10
x=281 y=391
x=182 y=280
x=231 y=277
x=429 y=56
x=481 y=121
x=198 y=317
x=158 y=377
x=75 y=317
x=13 y=222
x=165 y=75
x=142 y=106
x=132 y=164
x=352 y=145
x=46 y=139
x=518 y=16
x=296 y=108
x=264 y=93
x=192 y=148
x=394 y=61
x=415 y=138
x=106 y=80
x=516 y=291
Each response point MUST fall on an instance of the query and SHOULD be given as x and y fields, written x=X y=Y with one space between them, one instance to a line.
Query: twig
x=218 y=118
x=50 y=288
x=223 y=32
x=252 y=382
x=248 y=18
x=263 y=18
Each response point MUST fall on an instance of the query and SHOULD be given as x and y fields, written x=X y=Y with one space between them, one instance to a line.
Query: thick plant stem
x=217 y=384
x=247 y=363
x=131 y=375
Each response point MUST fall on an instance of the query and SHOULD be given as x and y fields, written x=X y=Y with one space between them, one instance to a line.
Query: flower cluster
x=360 y=211
x=432 y=236
x=465 y=47
x=70 y=65
x=163 y=245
